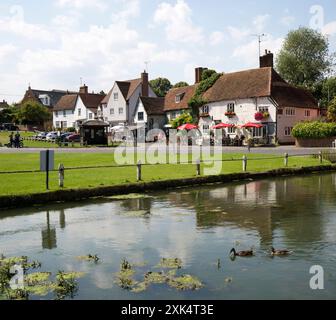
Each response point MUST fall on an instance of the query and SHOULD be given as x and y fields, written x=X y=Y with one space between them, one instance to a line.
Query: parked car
x=10 y=127
x=74 y=138
x=41 y=136
x=51 y=136
x=65 y=135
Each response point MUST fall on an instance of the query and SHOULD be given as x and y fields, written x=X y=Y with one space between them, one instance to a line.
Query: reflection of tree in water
x=62 y=219
x=139 y=204
x=291 y=206
x=49 y=240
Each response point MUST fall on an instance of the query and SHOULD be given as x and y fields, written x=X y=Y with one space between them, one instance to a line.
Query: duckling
x=247 y=253
x=280 y=252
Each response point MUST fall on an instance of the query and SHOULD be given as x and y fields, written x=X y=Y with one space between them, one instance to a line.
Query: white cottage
x=74 y=109
x=150 y=113
x=119 y=106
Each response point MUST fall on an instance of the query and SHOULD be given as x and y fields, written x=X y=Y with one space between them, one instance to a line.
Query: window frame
x=231 y=107
x=115 y=96
x=288 y=131
x=143 y=116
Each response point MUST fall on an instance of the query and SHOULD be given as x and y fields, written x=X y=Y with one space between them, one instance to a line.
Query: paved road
x=291 y=150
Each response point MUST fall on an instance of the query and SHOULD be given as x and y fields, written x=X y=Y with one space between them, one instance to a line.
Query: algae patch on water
x=185 y=282
x=89 y=258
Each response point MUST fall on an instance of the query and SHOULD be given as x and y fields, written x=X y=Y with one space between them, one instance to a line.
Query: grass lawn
x=27 y=183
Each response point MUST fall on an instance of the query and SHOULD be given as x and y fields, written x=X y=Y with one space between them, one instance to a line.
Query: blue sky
x=52 y=44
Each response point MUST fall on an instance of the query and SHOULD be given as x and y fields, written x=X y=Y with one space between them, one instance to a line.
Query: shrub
x=314 y=130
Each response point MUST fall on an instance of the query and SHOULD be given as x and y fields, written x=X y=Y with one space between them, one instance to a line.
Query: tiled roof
x=263 y=82
x=186 y=94
x=90 y=100
x=153 y=106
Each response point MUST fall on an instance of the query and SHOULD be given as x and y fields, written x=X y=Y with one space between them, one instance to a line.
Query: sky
x=59 y=44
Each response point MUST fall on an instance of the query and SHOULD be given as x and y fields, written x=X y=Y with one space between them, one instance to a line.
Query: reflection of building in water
x=62 y=219
x=139 y=204
x=49 y=240
x=265 y=206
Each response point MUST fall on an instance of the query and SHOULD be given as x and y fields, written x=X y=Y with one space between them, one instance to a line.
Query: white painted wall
x=128 y=110
x=245 y=110
x=158 y=121
x=71 y=117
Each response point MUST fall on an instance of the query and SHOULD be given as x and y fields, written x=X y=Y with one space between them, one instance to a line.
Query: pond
x=199 y=226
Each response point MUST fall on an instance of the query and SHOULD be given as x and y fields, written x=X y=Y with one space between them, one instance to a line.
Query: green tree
x=207 y=74
x=160 y=86
x=304 y=58
x=32 y=112
x=181 y=84
x=332 y=111
x=8 y=115
x=184 y=118
x=324 y=91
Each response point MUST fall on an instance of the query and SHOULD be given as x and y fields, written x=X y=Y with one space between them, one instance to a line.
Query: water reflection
x=49 y=240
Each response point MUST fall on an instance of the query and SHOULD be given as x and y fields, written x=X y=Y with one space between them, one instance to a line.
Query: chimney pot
x=267 y=61
x=198 y=74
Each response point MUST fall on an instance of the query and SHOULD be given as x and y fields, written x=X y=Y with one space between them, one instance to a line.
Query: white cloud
x=287 y=20
x=131 y=9
x=80 y=4
x=17 y=25
x=249 y=52
x=70 y=21
x=238 y=34
x=259 y=22
x=216 y=38
x=178 y=22
x=6 y=50
x=329 y=29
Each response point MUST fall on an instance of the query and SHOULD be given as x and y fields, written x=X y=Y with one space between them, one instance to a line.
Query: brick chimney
x=267 y=60
x=145 y=84
x=84 y=89
x=198 y=74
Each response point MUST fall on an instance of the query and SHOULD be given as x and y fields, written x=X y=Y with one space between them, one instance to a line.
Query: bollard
x=286 y=159
x=61 y=175
x=244 y=163
x=139 y=171
x=321 y=157
x=198 y=167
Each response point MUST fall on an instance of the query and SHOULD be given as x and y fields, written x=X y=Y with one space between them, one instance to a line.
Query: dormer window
x=179 y=98
x=45 y=99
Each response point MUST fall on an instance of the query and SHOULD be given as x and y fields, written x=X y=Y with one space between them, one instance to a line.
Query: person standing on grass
x=17 y=140
x=11 y=140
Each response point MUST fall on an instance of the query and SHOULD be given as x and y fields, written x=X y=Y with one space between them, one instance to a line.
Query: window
x=111 y=112
x=104 y=105
x=57 y=124
x=258 y=132
x=106 y=119
x=64 y=124
x=115 y=96
x=90 y=115
x=206 y=128
x=56 y=114
x=140 y=116
x=231 y=107
x=280 y=112
x=64 y=113
x=232 y=130
x=205 y=109
x=179 y=97
x=79 y=112
x=290 y=112
x=121 y=110
x=263 y=109
x=307 y=113
x=288 y=131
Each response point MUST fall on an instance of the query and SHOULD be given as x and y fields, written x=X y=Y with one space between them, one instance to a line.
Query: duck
x=247 y=253
x=283 y=252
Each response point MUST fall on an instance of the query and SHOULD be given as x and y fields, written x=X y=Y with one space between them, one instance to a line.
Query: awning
x=187 y=127
x=223 y=126
x=252 y=125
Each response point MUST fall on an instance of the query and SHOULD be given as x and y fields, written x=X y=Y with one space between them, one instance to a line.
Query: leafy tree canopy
x=32 y=112
x=160 y=86
x=207 y=74
x=332 y=110
x=181 y=84
x=304 y=58
x=324 y=91
x=184 y=118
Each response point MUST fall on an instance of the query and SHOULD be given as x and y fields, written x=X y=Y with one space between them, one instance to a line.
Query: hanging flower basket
x=259 y=116
x=266 y=115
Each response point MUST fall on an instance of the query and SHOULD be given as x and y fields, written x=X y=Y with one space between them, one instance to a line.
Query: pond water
x=197 y=225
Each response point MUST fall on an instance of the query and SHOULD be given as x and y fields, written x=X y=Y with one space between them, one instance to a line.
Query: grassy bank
x=31 y=183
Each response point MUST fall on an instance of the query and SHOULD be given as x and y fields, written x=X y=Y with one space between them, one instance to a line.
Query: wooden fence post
x=244 y=163
x=61 y=175
x=286 y=159
x=139 y=171
x=321 y=157
x=198 y=167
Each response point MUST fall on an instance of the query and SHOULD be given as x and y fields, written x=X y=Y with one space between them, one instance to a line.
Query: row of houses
x=258 y=96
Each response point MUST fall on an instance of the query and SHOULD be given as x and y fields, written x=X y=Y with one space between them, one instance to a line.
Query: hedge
x=314 y=130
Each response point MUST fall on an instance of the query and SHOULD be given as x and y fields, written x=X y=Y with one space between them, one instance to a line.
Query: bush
x=184 y=118
x=314 y=130
x=70 y=130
